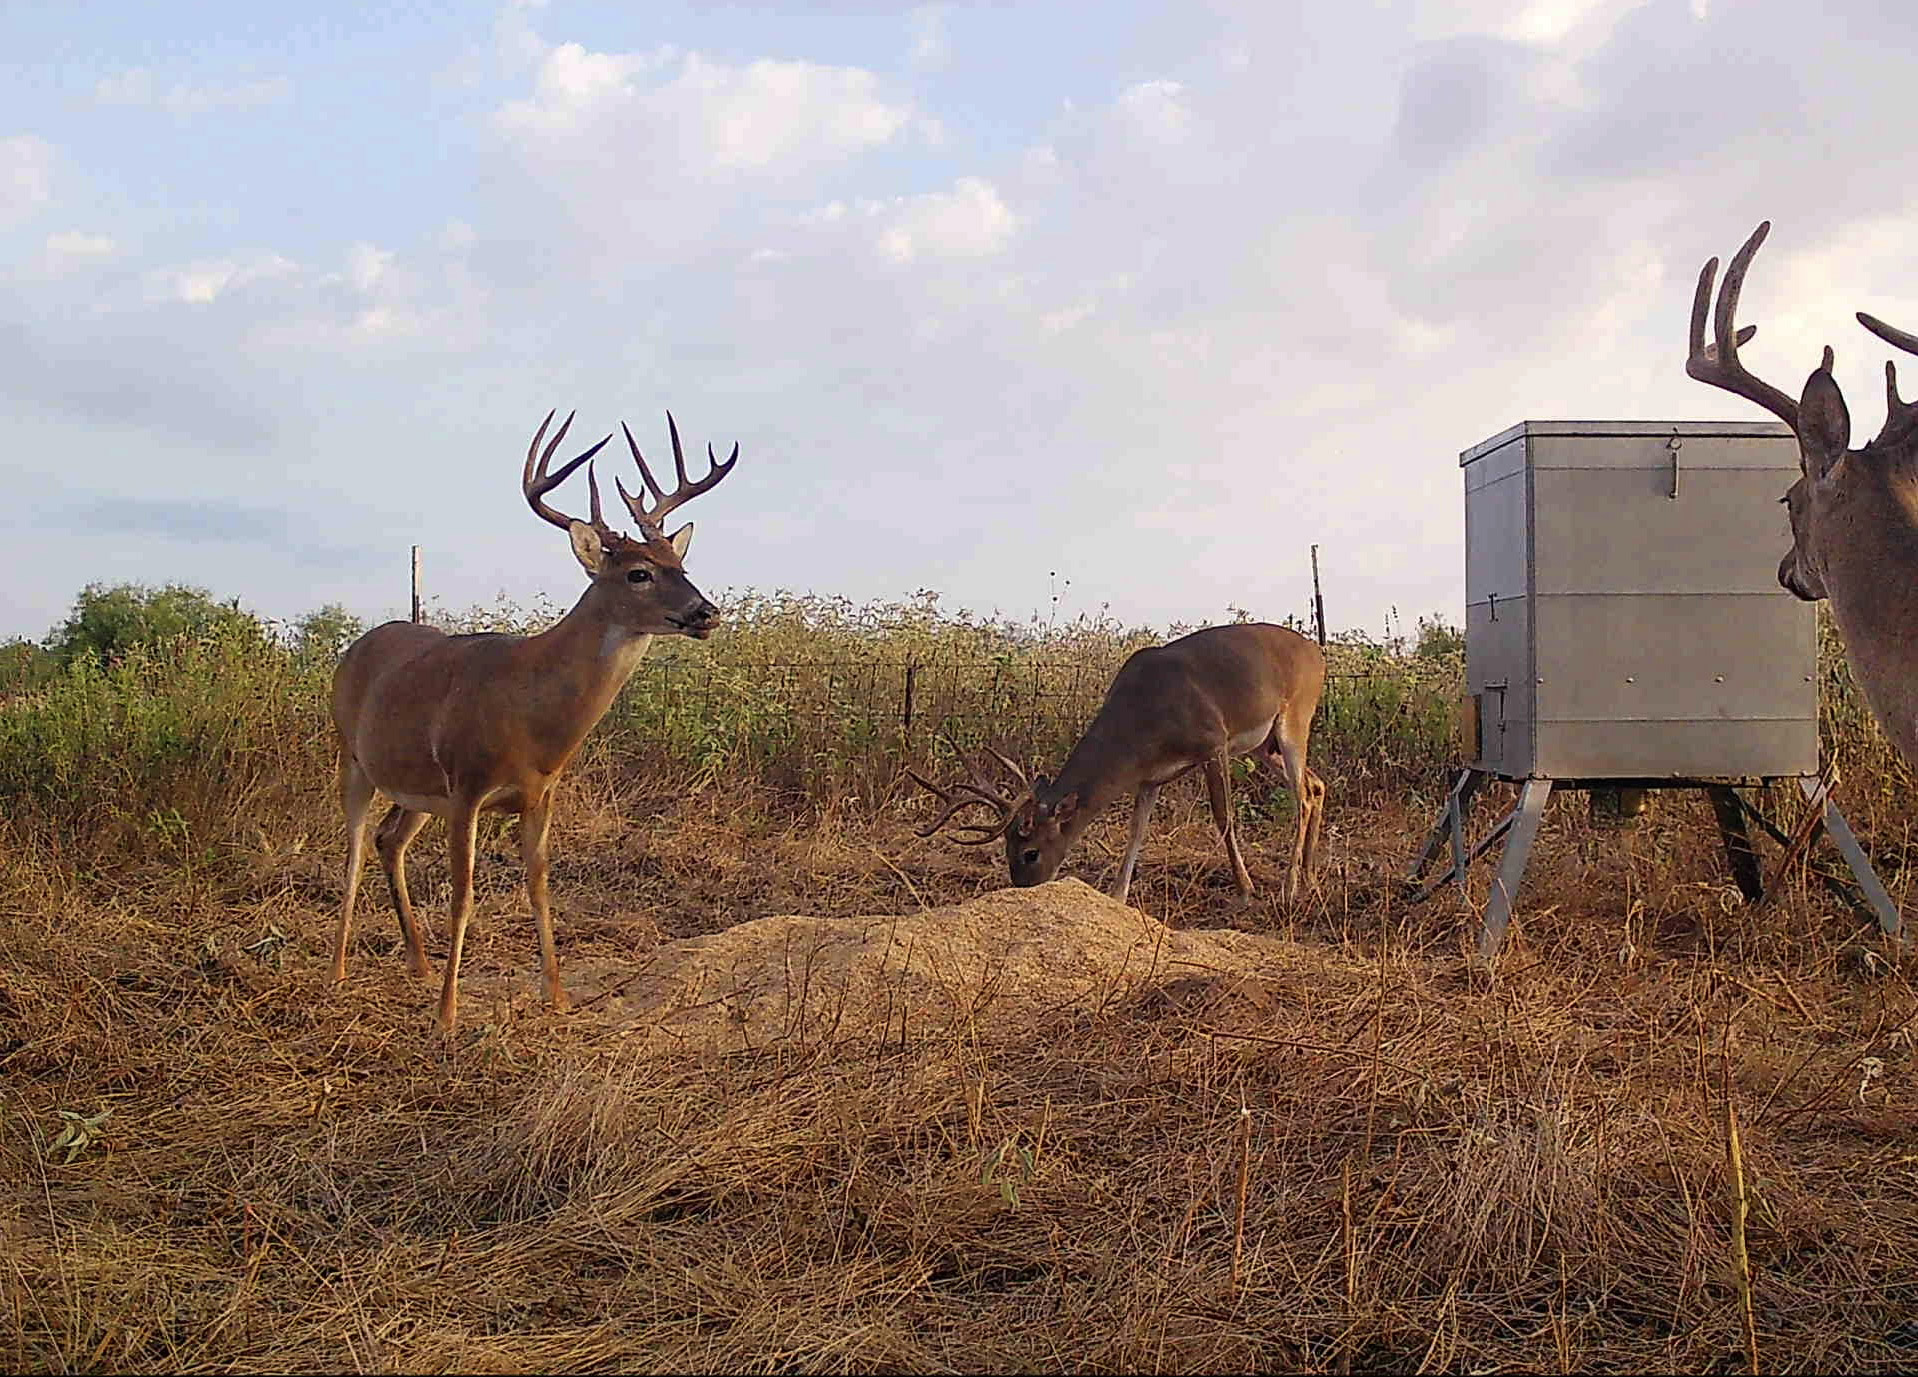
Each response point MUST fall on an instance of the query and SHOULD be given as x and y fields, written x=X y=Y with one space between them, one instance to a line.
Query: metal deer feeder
x=1625 y=630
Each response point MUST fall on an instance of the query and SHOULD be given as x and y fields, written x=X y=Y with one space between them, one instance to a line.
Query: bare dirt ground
x=831 y=1100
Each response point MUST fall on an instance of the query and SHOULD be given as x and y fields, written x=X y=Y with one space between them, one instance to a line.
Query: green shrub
x=107 y=623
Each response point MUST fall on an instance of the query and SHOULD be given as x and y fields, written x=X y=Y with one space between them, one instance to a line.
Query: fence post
x=912 y=674
x=1318 y=599
x=416 y=583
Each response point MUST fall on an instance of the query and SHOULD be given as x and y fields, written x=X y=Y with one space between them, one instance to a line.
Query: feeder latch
x=1674 y=445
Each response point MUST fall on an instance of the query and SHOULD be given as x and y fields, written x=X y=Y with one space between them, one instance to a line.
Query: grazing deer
x=1196 y=703
x=463 y=725
x=1854 y=513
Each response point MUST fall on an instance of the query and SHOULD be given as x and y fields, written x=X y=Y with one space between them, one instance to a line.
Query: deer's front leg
x=1141 y=814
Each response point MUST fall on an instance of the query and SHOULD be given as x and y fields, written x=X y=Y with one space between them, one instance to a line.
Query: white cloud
x=137 y=86
x=457 y=236
x=71 y=249
x=367 y=265
x=969 y=221
x=1277 y=301
x=931 y=45
x=700 y=115
x=1052 y=322
x=204 y=282
x=1580 y=24
x=1157 y=110
x=26 y=176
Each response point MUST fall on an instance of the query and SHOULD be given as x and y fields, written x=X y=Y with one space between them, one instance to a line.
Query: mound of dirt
x=793 y=978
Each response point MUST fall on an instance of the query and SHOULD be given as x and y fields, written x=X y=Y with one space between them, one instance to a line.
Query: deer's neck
x=582 y=662
x=1871 y=577
x=1099 y=769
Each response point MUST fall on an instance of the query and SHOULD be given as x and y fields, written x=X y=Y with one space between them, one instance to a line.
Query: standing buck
x=1196 y=703
x=463 y=725
x=1854 y=513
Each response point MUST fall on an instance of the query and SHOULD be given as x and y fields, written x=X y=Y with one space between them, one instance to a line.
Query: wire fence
x=864 y=719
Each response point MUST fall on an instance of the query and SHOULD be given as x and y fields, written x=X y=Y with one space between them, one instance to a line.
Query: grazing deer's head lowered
x=1854 y=513
x=460 y=725
x=1246 y=689
x=1038 y=824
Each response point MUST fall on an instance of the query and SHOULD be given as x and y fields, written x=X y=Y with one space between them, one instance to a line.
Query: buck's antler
x=651 y=517
x=978 y=792
x=535 y=482
x=1717 y=363
x=1898 y=339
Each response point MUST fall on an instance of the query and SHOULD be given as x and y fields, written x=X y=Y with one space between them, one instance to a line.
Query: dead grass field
x=1040 y=1133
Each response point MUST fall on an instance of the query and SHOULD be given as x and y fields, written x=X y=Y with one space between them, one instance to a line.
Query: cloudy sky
x=1147 y=297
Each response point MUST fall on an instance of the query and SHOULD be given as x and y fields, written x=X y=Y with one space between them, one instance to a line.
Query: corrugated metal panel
x=1495 y=539
x=1637 y=634
x=1768 y=453
x=1498 y=665
x=1671 y=749
x=1619 y=531
x=1684 y=429
x=1678 y=656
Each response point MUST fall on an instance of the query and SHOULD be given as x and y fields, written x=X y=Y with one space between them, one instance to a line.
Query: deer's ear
x=681 y=539
x=1824 y=425
x=1063 y=810
x=588 y=548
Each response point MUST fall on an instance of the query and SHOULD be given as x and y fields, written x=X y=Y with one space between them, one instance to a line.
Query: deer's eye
x=639 y=576
x=1029 y=856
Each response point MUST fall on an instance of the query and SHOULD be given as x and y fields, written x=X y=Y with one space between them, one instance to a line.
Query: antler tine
x=1013 y=769
x=679 y=455
x=1717 y=363
x=1898 y=339
x=652 y=517
x=1890 y=334
x=645 y=473
x=536 y=482
x=954 y=799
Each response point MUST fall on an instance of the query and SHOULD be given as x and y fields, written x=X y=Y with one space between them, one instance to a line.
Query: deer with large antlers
x=463 y=725
x=1196 y=703
x=1854 y=513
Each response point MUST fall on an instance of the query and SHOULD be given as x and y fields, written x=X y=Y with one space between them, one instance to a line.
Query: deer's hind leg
x=395 y=833
x=1218 y=788
x=462 y=827
x=356 y=797
x=534 y=820
x=1284 y=754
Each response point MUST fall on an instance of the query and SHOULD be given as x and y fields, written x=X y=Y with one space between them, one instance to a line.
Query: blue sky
x=1147 y=297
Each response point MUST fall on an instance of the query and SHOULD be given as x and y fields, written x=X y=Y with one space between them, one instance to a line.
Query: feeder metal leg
x=1450 y=823
x=1739 y=856
x=1459 y=805
x=1511 y=870
x=1854 y=854
x=1485 y=843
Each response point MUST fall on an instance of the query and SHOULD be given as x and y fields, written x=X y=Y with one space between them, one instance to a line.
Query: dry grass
x=1325 y=1146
